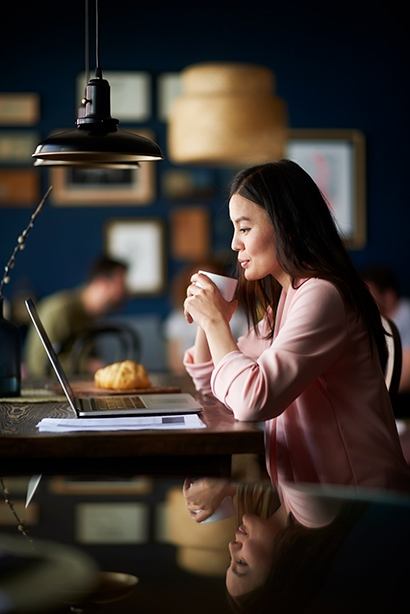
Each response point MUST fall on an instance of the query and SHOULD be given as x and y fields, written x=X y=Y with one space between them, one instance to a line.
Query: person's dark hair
x=382 y=276
x=307 y=243
x=105 y=267
x=301 y=561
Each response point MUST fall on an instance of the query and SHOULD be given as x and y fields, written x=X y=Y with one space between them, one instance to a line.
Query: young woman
x=313 y=367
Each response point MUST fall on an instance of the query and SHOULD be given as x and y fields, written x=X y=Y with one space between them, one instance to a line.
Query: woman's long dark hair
x=301 y=561
x=308 y=244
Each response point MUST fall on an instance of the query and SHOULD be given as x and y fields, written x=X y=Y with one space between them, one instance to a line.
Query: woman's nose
x=234 y=547
x=235 y=243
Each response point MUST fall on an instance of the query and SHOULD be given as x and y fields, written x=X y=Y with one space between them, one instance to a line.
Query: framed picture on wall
x=169 y=88
x=190 y=233
x=141 y=244
x=16 y=146
x=76 y=186
x=19 y=187
x=130 y=94
x=335 y=159
x=19 y=109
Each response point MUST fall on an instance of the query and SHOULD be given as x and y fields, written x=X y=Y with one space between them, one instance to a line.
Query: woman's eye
x=244 y=229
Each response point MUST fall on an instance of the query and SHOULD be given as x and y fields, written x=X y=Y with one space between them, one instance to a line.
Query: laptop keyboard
x=109 y=403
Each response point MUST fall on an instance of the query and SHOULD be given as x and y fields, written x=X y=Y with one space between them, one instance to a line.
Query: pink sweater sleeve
x=309 y=336
x=200 y=373
x=310 y=508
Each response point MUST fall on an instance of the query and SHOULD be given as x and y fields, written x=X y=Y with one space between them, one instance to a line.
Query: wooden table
x=25 y=451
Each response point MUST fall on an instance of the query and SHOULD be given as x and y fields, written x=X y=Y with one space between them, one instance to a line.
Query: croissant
x=122 y=376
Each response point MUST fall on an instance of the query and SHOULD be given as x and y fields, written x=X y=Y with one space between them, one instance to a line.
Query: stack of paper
x=143 y=423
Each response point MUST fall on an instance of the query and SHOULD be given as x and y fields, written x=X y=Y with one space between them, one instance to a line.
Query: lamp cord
x=87 y=44
x=98 y=71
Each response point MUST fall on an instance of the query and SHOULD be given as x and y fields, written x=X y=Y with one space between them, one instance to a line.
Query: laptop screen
x=62 y=378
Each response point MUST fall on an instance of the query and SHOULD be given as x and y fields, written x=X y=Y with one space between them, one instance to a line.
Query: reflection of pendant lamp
x=228 y=115
x=96 y=141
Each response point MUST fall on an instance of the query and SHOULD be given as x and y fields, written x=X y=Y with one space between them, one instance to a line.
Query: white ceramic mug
x=226 y=285
x=225 y=510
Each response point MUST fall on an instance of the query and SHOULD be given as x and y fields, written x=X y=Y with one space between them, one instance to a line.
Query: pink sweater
x=319 y=389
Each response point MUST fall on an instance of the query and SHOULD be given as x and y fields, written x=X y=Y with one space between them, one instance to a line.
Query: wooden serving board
x=89 y=389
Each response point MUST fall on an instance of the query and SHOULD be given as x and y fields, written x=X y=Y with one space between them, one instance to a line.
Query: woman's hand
x=206 y=306
x=205 y=303
x=204 y=495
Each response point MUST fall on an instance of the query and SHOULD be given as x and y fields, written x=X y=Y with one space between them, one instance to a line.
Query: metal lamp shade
x=95 y=147
x=97 y=140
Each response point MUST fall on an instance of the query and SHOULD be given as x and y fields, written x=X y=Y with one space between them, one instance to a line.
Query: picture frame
x=111 y=523
x=31 y=515
x=17 y=146
x=130 y=94
x=136 y=485
x=169 y=88
x=190 y=234
x=335 y=159
x=76 y=186
x=19 y=187
x=140 y=243
x=18 y=109
x=180 y=184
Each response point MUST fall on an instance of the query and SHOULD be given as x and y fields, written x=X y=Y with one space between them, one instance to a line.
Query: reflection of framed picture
x=63 y=485
x=141 y=244
x=104 y=186
x=31 y=516
x=335 y=159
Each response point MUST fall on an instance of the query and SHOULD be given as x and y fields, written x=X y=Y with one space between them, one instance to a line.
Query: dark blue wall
x=336 y=69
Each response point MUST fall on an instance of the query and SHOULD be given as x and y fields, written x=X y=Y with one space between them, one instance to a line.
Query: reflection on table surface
x=341 y=550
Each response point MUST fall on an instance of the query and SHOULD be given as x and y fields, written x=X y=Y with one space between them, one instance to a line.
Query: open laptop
x=113 y=405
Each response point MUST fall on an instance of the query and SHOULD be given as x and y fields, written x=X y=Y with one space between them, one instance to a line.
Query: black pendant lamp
x=97 y=141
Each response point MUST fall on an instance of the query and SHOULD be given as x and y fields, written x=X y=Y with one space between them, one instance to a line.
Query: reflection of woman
x=281 y=553
x=313 y=367
x=283 y=565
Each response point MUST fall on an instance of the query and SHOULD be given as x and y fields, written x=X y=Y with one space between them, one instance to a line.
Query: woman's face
x=254 y=240
x=251 y=554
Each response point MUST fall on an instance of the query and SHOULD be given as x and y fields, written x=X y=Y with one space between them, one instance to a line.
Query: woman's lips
x=243 y=263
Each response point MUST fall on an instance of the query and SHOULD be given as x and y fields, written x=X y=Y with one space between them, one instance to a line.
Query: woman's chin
x=249 y=277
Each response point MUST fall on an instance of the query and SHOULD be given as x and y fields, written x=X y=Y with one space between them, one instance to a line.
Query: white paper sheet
x=143 y=423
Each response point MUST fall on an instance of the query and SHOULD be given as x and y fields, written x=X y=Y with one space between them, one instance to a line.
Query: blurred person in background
x=385 y=287
x=68 y=312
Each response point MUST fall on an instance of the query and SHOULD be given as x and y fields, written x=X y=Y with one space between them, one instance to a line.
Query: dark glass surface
x=140 y=526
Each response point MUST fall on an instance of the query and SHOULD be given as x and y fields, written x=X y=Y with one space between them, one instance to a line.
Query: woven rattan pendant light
x=228 y=116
